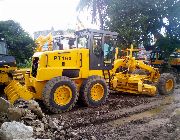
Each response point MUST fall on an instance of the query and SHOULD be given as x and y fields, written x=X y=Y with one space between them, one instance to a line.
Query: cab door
x=102 y=52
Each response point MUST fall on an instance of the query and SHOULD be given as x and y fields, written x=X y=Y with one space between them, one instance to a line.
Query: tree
x=167 y=45
x=20 y=44
x=137 y=21
x=98 y=9
x=172 y=14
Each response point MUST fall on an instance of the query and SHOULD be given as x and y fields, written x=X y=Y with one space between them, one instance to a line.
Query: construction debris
x=124 y=116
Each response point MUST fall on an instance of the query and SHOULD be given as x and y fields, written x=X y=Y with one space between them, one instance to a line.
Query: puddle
x=167 y=100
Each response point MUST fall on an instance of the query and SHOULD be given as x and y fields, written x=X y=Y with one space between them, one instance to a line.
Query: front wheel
x=166 y=83
x=94 y=91
x=60 y=94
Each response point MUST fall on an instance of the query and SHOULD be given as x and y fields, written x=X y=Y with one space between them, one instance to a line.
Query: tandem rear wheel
x=94 y=91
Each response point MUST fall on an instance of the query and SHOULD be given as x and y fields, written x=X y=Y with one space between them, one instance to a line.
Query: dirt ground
x=123 y=117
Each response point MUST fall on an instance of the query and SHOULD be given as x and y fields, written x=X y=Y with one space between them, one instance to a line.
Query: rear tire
x=166 y=84
x=94 y=91
x=60 y=94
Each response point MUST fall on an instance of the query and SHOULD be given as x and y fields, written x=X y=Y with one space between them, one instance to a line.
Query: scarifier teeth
x=16 y=91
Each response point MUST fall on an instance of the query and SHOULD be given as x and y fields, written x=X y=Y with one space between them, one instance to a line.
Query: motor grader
x=59 y=78
x=159 y=60
x=165 y=65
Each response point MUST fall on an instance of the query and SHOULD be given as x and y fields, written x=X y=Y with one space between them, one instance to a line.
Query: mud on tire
x=163 y=87
x=86 y=91
x=49 y=90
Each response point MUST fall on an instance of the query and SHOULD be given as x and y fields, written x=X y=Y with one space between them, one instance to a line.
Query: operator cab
x=101 y=45
x=157 y=59
x=5 y=59
x=156 y=55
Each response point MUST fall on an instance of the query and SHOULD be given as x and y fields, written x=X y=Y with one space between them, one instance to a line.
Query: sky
x=37 y=15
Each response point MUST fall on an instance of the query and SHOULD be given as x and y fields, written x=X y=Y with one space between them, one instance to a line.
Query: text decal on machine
x=61 y=58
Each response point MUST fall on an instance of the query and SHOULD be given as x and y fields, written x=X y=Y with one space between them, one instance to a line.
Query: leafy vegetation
x=167 y=45
x=139 y=21
x=20 y=44
x=25 y=64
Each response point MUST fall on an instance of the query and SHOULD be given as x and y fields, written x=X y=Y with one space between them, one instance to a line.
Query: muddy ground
x=122 y=117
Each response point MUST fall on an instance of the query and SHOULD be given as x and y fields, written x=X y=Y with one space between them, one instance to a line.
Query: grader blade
x=15 y=91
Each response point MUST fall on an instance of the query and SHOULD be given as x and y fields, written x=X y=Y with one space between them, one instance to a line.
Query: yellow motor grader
x=159 y=60
x=87 y=73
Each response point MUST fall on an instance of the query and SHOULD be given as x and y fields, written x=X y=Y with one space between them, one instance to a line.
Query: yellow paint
x=169 y=85
x=97 y=92
x=4 y=78
x=15 y=91
x=41 y=40
x=62 y=95
x=7 y=69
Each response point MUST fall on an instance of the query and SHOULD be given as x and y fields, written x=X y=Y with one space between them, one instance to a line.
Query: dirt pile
x=30 y=114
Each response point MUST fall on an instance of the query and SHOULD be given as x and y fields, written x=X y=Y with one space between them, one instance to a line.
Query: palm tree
x=97 y=7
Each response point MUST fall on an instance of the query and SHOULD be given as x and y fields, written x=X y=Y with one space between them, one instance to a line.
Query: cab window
x=108 y=48
x=97 y=45
x=82 y=42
